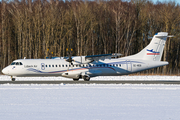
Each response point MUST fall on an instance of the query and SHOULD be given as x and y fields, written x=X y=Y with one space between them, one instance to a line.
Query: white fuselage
x=56 y=67
x=93 y=65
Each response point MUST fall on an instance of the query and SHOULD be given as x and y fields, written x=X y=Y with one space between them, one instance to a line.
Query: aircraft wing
x=89 y=58
x=102 y=56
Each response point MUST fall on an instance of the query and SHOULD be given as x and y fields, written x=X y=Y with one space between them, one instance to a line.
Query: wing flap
x=102 y=56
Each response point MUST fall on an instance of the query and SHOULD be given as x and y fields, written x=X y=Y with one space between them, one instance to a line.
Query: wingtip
x=171 y=36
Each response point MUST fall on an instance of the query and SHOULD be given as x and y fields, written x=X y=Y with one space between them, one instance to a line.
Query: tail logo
x=151 y=52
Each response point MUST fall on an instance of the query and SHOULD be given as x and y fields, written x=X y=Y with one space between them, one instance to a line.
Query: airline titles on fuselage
x=28 y=66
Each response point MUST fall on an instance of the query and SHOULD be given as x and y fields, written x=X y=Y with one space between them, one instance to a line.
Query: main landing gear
x=85 y=77
x=75 y=79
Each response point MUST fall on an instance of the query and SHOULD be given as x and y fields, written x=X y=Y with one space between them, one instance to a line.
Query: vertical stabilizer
x=154 y=50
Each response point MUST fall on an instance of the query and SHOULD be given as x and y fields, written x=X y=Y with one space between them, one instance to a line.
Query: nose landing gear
x=12 y=78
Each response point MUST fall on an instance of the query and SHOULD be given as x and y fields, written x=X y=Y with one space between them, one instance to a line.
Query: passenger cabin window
x=139 y=65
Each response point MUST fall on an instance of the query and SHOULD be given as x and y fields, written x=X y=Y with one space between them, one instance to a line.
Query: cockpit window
x=16 y=63
x=13 y=63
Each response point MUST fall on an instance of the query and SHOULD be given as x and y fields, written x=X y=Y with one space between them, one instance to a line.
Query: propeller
x=70 y=60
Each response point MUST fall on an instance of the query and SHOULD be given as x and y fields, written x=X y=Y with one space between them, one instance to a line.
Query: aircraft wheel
x=75 y=79
x=86 y=78
x=13 y=79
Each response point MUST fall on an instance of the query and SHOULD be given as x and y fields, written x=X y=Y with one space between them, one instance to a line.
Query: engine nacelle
x=81 y=60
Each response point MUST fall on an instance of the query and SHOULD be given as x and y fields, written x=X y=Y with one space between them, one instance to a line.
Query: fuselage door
x=42 y=66
x=128 y=65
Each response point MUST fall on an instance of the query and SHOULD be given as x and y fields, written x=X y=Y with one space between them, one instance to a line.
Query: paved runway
x=90 y=82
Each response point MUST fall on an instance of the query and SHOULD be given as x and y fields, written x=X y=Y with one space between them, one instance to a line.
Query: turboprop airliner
x=85 y=67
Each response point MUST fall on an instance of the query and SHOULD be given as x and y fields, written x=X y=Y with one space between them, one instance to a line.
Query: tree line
x=39 y=28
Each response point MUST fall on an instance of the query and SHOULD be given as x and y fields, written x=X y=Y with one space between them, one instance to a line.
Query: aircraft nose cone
x=5 y=71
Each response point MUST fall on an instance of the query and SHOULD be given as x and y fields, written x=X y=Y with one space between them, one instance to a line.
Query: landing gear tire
x=75 y=79
x=86 y=78
x=13 y=79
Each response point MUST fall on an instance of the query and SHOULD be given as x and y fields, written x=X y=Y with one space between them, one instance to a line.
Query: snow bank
x=177 y=78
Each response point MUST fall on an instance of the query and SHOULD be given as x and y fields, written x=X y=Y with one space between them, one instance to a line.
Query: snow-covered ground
x=125 y=77
x=89 y=102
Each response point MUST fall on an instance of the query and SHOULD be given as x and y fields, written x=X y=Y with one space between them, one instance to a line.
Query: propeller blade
x=69 y=53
